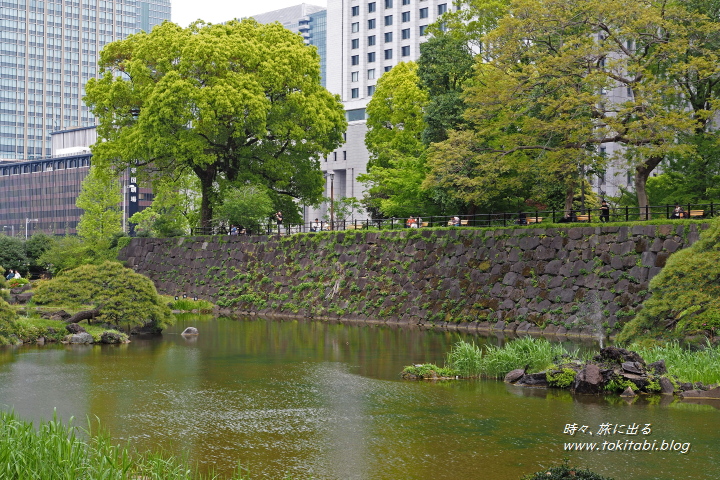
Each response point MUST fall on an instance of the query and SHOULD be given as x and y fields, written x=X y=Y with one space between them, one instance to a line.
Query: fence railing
x=500 y=219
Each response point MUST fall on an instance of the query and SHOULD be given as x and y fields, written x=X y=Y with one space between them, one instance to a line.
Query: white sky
x=185 y=12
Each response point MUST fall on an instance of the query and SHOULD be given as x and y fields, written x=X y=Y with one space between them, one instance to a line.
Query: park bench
x=424 y=224
x=464 y=222
x=534 y=219
x=582 y=218
x=696 y=213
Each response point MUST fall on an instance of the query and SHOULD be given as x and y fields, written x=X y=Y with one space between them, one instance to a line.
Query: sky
x=185 y=12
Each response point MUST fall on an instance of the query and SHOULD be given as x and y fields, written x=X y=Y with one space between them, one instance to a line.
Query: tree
x=238 y=101
x=100 y=198
x=36 y=245
x=116 y=295
x=248 y=205
x=394 y=140
x=172 y=211
x=541 y=103
x=12 y=253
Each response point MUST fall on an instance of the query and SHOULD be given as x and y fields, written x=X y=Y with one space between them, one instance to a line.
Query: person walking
x=604 y=212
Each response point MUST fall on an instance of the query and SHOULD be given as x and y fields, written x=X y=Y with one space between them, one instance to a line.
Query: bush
x=685 y=294
x=17 y=282
x=122 y=296
x=466 y=358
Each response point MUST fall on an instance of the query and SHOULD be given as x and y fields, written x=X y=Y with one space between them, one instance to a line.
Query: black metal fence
x=501 y=219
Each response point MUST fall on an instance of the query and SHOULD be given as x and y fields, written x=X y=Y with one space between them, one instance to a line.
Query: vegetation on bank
x=467 y=360
x=57 y=450
x=565 y=472
x=685 y=295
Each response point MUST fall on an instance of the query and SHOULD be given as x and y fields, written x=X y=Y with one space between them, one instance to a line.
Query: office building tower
x=366 y=38
x=307 y=20
x=48 y=51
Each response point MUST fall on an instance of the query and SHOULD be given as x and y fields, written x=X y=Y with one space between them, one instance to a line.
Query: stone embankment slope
x=560 y=281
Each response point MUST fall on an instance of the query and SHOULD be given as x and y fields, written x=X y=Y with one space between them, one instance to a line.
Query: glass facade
x=48 y=51
x=318 y=38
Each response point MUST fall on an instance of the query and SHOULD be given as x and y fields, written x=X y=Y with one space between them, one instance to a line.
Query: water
x=325 y=401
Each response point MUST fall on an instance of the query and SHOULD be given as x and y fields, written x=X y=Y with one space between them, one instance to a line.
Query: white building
x=366 y=38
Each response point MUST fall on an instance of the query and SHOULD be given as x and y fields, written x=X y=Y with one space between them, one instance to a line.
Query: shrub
x=565 y=472
x=561 y=378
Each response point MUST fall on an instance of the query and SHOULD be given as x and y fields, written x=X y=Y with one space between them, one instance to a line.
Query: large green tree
x=394 y=140
x=238 y=101
x=546 y=97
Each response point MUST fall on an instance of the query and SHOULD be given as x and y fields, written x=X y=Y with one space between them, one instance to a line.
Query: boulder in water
x=190 y=331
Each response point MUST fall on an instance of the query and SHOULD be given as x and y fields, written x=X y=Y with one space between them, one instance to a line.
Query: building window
x=424 y=12
x=371 y=74
x=388 y=54
x=354 y=76
x=355 y=43
x=388 y=3
x=371 y=90
x=371 y=24
x=355 y=11
x=371 y=7
x=388 y=37
x=387 y=69
x=344 y=154
x=335 y=153
x=422 y=30
x=406 y=51
x=371 y=57
x=406 y=2
x=355 y=27
x=355 y=93
x=355 y=59
x=405 y=33
x=405 y=16
x=442 y=8
x=388 y=20
x=371 y=40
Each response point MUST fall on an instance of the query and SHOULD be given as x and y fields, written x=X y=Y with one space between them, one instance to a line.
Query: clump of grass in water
x=466 y=358
x=55 y=450
x=686 y=364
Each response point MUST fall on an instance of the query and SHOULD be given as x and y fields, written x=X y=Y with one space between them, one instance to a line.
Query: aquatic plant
x=688 y=365
x=57 y=450
x=466 y=358
x=565 y=472
x=534 y=353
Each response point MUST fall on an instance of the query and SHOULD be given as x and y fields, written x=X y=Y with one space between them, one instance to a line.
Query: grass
x=54 y=450
x=188 y=304
x=687 y=365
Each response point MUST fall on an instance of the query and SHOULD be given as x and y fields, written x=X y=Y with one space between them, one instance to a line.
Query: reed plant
x=466 y=358
x=686 y=364
x=58 y=451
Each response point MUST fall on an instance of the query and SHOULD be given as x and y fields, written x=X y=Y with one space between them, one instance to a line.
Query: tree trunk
x=569 y=196
x=206 y=175
x=83 y=315
x=642 y=173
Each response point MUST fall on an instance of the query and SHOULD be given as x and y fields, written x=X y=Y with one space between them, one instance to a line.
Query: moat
x=325 y=401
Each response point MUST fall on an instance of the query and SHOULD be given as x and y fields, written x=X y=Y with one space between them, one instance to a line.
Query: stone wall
x=561 y=281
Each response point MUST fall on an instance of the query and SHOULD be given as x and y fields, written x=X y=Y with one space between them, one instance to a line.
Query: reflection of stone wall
x=564 y=280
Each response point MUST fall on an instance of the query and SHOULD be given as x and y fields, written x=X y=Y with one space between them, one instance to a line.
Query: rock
x=111 y=338
x=74 y=328
x=628 y=393
x=713 y=393
x=80 y=338
x=589 y=380
x=534 y=380
x=684 y=387
x=633 y=367
x=618 y=355
x=666 y=386
x=514 y=375
x=190 y=331
x=658 y=368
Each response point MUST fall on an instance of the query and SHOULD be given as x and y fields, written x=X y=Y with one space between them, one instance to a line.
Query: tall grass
x=687 y=365
x=58 y=451
x=496 y=362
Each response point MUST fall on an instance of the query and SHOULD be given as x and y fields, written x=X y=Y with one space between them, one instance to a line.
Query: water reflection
x=324 y=401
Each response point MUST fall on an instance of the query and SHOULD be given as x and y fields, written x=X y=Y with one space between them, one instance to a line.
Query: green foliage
x=123 y=296
x=179 y=100
x=171 y=211
x=685 y=296
x=619 y=385
x=565 y=472
x=561 y=378
x=466 y=358
x=687 y=365
x=537 y=354
x=12 y=253
x=54 y=450
x=8 y=316
x=100 y=200
x=247 y=205
x=429 y=371
x=17 y=282
x=189 y=305
x=70 y=252
x=36 y=245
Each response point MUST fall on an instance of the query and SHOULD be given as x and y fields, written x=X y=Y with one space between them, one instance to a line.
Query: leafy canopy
x=100 y=199
x=238 y=101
